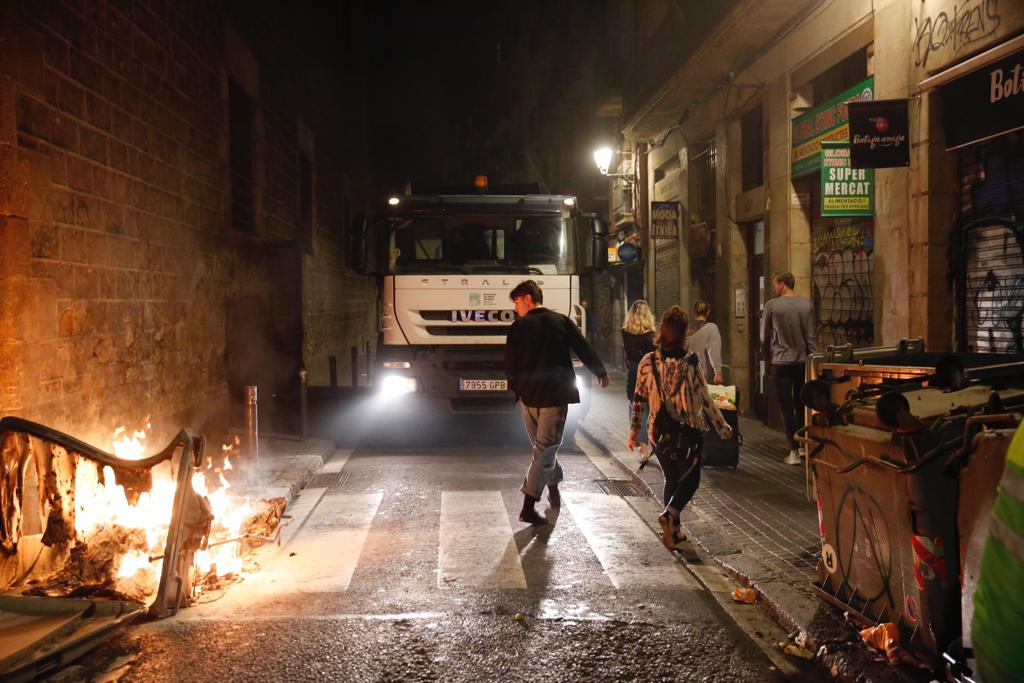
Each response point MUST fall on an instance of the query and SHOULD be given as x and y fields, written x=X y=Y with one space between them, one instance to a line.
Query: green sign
x=845 y=191
x=828 y=121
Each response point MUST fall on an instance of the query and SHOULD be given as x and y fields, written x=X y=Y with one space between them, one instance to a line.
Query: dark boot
x=529 y=513
x=554 y=497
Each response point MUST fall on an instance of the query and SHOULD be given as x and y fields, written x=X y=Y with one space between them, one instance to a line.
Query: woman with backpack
x=671 y=385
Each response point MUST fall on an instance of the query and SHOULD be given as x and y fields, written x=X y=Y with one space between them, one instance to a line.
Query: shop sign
x=984 y=103
x=828 y=121
x=845 y=191
x=665 y=218
x=879 y=134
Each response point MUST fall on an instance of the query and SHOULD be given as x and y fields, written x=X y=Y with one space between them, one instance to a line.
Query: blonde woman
x=637 y=342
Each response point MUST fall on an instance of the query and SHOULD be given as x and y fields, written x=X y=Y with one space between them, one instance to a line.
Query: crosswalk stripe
x=323 y=555
x=477 y=548
x=631 y=555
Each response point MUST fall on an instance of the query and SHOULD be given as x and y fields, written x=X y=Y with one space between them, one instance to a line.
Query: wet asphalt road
x=389 y=579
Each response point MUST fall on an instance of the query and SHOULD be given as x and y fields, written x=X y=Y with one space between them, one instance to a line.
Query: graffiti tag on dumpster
x=863 y=543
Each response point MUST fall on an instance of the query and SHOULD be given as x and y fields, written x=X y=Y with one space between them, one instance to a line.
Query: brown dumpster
x=903 y=448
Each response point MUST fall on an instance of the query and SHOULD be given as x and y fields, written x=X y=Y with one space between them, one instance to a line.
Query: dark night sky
x=431 y=72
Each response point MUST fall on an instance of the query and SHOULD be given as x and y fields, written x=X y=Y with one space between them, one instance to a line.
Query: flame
x=101 y=504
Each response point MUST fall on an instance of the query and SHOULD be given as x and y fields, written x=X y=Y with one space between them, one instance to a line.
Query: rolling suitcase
x=716 y=452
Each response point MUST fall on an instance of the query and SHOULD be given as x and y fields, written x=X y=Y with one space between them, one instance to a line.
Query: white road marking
x=299 y=510
x=338 y=462
x=476 y=547
x=631 y=555
x=326 y=550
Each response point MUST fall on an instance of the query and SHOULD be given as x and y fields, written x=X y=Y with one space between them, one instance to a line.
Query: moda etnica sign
x=984 y=103
x=827 y=121
x=845 y=191
x=879 y=134
x=665 y=220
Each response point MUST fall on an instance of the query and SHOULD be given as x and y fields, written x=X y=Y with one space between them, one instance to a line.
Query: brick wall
x=125 y=291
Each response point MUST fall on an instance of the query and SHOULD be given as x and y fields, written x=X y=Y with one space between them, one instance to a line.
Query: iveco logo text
x=483 y=316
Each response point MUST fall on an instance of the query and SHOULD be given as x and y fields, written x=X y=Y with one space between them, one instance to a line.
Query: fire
x=102 y=505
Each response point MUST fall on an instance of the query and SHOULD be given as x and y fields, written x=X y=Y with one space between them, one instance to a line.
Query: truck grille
x=467 y=330
x=474 y=365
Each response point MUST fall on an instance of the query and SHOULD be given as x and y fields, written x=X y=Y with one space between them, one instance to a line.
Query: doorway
x=754 y=235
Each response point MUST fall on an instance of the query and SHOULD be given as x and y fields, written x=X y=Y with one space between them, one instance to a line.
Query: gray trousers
x=544 y=426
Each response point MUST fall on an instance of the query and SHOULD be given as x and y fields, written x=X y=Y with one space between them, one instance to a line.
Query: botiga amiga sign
x=827 y=121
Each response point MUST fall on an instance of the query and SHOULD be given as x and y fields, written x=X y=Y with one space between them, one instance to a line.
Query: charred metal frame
x=190 y=516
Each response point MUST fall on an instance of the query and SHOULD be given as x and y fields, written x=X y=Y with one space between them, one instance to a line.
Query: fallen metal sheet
x=39 y=636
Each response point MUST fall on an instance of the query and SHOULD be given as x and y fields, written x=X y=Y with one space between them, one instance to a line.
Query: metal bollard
x=334 y=373
x=355 y=366
x=252 y=441
x=304 y=403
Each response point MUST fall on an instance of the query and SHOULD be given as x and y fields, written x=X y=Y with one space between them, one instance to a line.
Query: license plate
x=483 y=384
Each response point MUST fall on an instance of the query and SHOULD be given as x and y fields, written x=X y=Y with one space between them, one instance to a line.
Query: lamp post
x=603 y=158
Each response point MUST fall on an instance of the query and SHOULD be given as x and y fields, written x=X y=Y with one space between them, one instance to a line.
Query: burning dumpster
x=905 y=449
x=89 y=540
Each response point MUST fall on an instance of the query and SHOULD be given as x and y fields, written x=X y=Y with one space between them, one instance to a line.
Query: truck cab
x=447 y=263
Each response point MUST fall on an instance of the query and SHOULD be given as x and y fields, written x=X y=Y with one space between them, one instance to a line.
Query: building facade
x=174 y=208
x=731 y=128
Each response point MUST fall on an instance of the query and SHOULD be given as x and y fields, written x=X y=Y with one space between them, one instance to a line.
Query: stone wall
x=125 y=290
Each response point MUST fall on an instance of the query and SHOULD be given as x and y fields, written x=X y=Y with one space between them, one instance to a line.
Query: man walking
x=539 y=371
x=788 y=325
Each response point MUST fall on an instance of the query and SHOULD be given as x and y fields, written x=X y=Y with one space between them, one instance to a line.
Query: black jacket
x=635 y=347
x=537 y=360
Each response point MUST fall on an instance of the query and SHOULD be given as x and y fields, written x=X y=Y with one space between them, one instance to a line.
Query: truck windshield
x=479 y=244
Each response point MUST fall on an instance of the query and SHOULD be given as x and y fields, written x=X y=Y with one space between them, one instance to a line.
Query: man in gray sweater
x=789 y=327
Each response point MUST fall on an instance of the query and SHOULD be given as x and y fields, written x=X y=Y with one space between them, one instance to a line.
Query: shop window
x=752 y=148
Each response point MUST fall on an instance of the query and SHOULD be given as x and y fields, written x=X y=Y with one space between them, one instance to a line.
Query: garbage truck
x=446 y=263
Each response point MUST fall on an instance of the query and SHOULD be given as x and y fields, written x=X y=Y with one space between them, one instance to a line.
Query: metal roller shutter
x=991 y=218
x=666 y=275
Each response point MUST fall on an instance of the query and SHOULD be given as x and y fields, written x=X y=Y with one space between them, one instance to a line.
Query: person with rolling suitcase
x=705 y=340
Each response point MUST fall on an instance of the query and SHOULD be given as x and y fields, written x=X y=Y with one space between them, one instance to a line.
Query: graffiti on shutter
x=842 y=270
x=992 y=219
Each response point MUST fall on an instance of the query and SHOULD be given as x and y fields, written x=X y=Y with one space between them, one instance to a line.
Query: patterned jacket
x=684 y=386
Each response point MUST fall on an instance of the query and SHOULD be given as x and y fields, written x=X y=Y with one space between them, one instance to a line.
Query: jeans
x=544 y=427
x=789 y=380
x=682 y=477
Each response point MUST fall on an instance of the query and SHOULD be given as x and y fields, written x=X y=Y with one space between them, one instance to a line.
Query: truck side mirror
x=600 y=244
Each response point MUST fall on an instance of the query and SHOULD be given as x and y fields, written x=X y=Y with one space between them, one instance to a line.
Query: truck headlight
x=397 y=385
x=399 y=364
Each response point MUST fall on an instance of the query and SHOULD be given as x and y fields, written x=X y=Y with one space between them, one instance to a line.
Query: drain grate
x=328 y=480
x=617 y=487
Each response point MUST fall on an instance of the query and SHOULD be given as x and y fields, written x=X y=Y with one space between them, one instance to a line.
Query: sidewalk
x=757 y=524
x=286 y=465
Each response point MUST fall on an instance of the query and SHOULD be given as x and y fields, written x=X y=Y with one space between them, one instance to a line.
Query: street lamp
x=603 y=159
